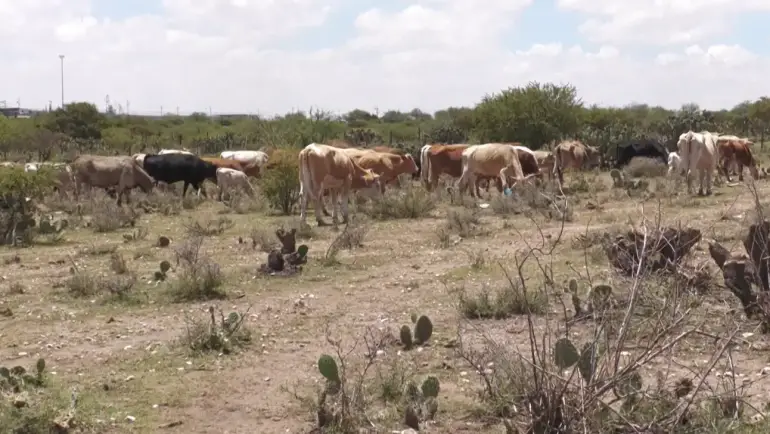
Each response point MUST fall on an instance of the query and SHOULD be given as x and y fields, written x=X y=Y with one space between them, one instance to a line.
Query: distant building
x=16 y=112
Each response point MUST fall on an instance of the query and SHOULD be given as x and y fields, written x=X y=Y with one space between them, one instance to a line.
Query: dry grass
x=135 y=345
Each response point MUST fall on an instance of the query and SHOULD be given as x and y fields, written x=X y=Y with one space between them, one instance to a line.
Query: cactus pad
x=431 y=408
x=302 y=251
x=587 y=361
x=40 y=366
x=423 y=330
x=165 y=266
x=5 y=373
x=430 y=387
x=414 y=318
x=328 y=368
x=18 y=371
x=565 y=354
x=406 y=336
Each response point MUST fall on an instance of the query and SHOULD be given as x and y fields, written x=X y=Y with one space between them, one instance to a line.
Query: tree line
x=535 y=115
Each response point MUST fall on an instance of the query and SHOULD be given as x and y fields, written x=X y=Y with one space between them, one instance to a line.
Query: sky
x=274 y=56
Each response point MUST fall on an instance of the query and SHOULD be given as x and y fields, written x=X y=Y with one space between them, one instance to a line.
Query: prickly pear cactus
x=40 y=366
x=165 y=266
x=5 y=373
x=431 y=408
x=587 y=361
x=565 y=354
x=406 y=336
x=328 y=368
x=423 y=330
x=600 y=297
x=629 y=384
x=430 y=387
x=414 y=318
x=302 y=251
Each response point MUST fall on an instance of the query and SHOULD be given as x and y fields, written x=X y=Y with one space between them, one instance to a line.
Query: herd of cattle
x=336 y=169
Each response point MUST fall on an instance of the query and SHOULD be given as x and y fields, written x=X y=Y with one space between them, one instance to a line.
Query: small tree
x=17 y=189
x=280 y=181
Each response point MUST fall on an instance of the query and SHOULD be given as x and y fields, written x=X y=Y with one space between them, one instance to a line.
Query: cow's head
x=372 y=180
x=409 y=164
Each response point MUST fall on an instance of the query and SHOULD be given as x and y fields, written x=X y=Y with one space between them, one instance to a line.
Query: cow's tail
x=425 y=169
x=557 y=163
x=305 y=174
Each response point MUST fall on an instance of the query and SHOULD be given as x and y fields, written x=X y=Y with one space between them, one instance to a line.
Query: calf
x=171 y=168
x=229 y=179
x=734 y=150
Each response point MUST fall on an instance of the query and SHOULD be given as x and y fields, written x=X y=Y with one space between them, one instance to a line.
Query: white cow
x=246 y=157
x=698 y=151
x=139 y=158
x=174 y=151
x=230 y=179
x=674 y=162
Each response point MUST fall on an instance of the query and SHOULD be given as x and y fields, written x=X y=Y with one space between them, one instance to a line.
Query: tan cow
x=573 y=154
x=230 y=179
x=324 y=166
x=492 y=160
x=546 y=161
x=386 y=164
x=119 y=172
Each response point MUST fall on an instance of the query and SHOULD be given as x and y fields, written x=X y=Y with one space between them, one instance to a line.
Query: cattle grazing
x=231 y=164
x=574 y=155
x=437 y=159
x=735 y=150
x=491 y=159
x=121 y=173
x=698 y=151
x=171 y=168
x=388 y=165
x=64 y=178
x=323 y=166
x=674 y=163
x=545 y=161
x=528 y=160
x=649 y=148
x=230 y=179
x=174 y=151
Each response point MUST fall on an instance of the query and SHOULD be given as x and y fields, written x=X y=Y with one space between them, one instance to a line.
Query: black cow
x=640 y=148
x=171 y=168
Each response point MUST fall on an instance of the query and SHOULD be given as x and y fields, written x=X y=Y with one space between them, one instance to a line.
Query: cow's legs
x=707 y=176
x=303 y=196
x=740 y=171
x=344 y=196
x=317 y=206
x=184 y=189
x=333 y=194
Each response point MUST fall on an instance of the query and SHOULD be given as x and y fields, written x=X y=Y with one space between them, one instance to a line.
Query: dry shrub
x=644 y=167
x=408 y=202
x=279 y=183
x=195 y=228
x=199 y=278
x=464 y=222
x=109 y=217
x=528 y=199
x=506 y=302
x=240 y=203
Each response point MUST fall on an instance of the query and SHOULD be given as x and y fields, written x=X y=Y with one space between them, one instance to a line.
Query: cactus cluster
x=16 y=378
x=599 y=300
x=161 y=275
x=421 y=404
x=423 y=329
x=566 y=356
x=327 y=366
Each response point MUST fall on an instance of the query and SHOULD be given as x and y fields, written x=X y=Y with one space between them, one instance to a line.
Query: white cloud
x=225 y=54
x=660 y=22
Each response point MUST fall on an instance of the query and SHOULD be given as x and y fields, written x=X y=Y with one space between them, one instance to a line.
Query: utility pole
x=161 y=111
x=61 y=61
x=128 y=107
x=177 y=110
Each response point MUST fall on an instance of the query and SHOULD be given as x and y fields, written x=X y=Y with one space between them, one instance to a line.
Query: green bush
x=280 y=181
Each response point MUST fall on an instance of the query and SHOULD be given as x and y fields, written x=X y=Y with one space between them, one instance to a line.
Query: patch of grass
x=199 y=278
x=99 y=250
x=528 y=199
x=211 y=228
x=82 y=283
x=504 y=303
x=109 y=217
x=406 y=203
x=223 y=336
x=118 y=263
x=463 y=221
x=263 y=239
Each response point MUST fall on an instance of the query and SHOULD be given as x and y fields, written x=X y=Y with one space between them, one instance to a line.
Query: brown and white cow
x=324 y=166
x=438 y=159
x=737 y=151
x=250 y=169
x=546 y=161
x=573 y=154
x=386 y=164
x=491 y=160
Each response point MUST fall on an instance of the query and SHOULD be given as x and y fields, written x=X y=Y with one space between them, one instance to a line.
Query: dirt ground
x=126 y=359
